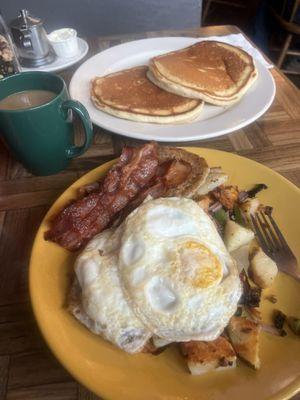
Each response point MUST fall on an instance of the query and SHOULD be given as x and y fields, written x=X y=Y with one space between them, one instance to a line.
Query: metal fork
x=273 y=243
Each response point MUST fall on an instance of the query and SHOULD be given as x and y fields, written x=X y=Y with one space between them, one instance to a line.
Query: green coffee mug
x=41 y=137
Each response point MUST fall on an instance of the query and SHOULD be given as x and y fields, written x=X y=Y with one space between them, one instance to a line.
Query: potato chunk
x=204 y=202
x=263 y=269
x=236 y=235
x=214 y=179
x=202 y=356
x=226 y=195
x=241 y=256
x=244 y=335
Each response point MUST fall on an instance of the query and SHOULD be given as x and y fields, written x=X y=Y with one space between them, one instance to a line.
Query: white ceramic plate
x=61 y=63
x=213 y=121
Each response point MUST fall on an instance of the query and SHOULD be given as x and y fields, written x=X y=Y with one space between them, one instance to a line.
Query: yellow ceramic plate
x=114 y=374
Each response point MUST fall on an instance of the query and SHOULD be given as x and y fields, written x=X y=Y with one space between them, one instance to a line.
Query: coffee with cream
x=26 y=99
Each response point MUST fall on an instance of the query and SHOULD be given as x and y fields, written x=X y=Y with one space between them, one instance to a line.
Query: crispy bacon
x=168 y=175
x=155 y=189
x=89 y=188
x=84 y=218
x=139 y=173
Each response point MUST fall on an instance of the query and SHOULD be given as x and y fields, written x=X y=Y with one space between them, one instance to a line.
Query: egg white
x=103 y=302
x=164 y=246
x=165 y=272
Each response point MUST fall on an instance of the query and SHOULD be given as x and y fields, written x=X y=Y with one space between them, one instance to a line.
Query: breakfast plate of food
x=173 y=88
x=148 y=279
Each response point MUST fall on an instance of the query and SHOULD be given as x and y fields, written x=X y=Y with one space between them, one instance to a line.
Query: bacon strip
x=169 y=174
x=84 y=218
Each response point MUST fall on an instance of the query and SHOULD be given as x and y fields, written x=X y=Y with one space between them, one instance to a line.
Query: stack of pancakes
x=175 y=85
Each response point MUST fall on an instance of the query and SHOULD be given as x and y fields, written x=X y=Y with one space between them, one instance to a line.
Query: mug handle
x=80 y=110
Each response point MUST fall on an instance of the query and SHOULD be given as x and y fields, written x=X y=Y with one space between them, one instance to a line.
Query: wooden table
x=27 y=368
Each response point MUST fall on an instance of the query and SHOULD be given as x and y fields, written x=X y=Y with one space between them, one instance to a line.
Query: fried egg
x=175 y=271
x=106 y=310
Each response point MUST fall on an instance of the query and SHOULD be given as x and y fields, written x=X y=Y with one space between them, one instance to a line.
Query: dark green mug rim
x=36 y=73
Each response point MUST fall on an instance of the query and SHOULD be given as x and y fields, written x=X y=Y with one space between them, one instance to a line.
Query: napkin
x=239 y=40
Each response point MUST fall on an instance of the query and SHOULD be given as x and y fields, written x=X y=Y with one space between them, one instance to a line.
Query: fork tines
x=273 y=242
x=269 y=235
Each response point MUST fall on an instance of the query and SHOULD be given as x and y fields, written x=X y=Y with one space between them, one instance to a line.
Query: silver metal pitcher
x=30 y=37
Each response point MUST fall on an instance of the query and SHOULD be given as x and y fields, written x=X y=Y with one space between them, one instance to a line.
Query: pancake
x=215 y=72
x=131 y=95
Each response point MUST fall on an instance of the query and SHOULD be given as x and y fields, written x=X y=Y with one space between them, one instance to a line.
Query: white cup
x=64 y=42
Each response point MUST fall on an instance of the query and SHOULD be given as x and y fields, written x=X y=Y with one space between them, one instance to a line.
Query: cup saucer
x=61 y=63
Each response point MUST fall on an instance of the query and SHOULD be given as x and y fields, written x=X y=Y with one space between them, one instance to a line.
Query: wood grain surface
x=28 y=370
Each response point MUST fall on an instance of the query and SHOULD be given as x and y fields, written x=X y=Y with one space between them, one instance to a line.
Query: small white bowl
x=64 y=42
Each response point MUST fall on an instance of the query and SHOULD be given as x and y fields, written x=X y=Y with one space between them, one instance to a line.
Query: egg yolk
x=199 y=266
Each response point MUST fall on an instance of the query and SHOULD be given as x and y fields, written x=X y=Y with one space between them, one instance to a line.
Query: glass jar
x=9 y=63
